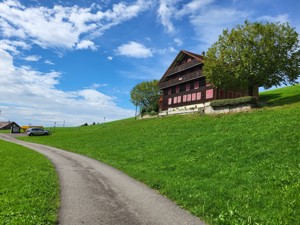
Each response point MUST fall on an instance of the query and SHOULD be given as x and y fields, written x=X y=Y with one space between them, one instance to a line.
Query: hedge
x=234 y=101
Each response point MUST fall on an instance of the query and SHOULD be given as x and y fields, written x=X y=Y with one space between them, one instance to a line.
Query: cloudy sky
x=76 y=61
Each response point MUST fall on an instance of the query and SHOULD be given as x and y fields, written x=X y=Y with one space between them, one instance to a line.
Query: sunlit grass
x=228 y=169
x=28 y=187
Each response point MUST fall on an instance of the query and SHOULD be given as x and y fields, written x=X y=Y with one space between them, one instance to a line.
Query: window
x=175 y=100
x=177 y=89
x=209 y=93
x=189 y=96
x=187 y=87
x=184 y=98
x=170 y=101
x=169 y=91
x=221 y=93
x=194 y=97
x=179 y=99
x=196 y=85
x=198 y=95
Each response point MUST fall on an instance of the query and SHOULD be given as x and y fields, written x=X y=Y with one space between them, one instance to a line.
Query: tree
x=146 y=96
x=254 y=54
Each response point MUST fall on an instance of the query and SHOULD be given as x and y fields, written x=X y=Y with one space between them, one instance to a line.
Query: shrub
x=234 y=102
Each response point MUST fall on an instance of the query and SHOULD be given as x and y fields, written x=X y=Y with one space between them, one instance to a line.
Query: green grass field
x=227 y=169
x=29 y=192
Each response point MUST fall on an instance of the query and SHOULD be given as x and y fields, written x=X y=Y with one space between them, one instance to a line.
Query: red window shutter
x=209 y=93
x=170 y=101
x=175 y=100
x=196 y=85
x=179 y=99
x=184 y=98
x=199 y=96
x=189 y=96
x=194 y=97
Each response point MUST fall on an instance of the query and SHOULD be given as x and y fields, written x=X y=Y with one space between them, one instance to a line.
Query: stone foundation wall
x=205 y=108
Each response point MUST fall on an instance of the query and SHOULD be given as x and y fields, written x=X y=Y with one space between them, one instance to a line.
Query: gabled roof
x=179 y=58
x=5 y=124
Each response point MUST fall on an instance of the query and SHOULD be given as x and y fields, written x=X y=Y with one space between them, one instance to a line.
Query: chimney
x=203 y=53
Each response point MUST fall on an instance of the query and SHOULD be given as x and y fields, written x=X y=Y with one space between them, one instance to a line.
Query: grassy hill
x=227 y=169
x=29 y=192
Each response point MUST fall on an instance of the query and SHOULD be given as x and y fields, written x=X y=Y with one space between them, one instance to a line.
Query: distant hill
x=227 y=169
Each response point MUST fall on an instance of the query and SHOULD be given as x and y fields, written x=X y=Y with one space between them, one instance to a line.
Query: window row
x=230 y=94
x=190 y=97
x=186 y=87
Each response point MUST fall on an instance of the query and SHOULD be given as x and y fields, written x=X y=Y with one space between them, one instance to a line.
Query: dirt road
x=94 y=193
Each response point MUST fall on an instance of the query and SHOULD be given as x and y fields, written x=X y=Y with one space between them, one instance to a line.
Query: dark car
x=37 y=131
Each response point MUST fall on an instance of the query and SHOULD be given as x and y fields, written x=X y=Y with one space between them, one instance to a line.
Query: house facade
x=184 y=85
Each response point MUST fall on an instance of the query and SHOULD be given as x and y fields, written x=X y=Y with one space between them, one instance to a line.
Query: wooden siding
x=183 y=67
x=181 y=79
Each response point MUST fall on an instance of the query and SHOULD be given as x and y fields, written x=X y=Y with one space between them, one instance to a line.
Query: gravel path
x=94 y=193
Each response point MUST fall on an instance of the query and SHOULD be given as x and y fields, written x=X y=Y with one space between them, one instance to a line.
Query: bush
x=153 y=113
x=234 y=102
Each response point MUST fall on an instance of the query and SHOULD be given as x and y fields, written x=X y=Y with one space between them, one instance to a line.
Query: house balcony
x=179 y=80
x=183 y=67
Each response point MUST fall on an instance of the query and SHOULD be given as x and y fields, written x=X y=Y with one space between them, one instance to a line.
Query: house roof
x=179 y=58
x=5 y=124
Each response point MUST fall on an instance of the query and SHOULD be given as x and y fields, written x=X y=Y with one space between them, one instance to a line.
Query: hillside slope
x=227 y=169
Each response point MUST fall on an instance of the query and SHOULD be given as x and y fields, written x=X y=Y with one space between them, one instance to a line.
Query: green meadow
x=29 y=192
x=227 y=169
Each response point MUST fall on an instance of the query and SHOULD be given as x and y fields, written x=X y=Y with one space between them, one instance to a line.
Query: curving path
x=94 y=193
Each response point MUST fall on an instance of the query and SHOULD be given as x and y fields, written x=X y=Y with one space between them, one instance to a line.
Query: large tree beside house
x=254 y=55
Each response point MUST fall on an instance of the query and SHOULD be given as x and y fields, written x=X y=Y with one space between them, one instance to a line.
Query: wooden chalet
x=184 y=85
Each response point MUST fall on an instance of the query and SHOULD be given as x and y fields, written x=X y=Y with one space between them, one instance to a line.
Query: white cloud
x=178 y=42
x=192 y=7
x=169 y=10
x=283 y=18
x=209 y=24
x=29 y=96
x=165 y=12
x=47 y=61
x=32 y=58
x=165 y=51
x=134 y=49
x=73 y=26
x=109 y=58
x=11 y=46
x=207 y=20
x=95 y=86
x=86 y=44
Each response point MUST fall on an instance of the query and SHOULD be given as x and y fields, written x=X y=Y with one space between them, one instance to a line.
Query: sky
x=67 y=63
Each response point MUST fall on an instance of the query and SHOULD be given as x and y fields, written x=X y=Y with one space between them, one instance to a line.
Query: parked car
x=37 y=131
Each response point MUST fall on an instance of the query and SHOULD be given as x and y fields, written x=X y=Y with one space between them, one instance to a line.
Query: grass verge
x=29 y=192
x=227 y=169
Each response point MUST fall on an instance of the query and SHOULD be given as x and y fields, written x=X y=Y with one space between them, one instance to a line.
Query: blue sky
x=71 y=62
